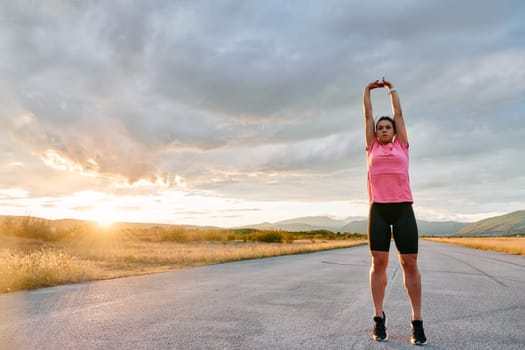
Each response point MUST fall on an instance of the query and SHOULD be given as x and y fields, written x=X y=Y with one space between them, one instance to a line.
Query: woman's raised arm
x=370 y=132
x=401 y=130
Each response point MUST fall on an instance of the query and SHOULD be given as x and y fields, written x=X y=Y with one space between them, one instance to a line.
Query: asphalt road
x=472 y=300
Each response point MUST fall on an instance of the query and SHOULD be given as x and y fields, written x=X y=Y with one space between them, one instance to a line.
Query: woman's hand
x=375 y=85
x=387 y=84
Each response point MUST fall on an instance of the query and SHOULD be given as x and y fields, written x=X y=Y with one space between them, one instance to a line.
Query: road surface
x=472 y=300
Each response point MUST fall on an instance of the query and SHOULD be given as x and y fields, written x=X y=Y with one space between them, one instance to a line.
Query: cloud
x=258 y=100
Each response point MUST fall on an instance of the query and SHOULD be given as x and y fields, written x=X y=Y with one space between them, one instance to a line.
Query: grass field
x=37 y=253
x=512 y=245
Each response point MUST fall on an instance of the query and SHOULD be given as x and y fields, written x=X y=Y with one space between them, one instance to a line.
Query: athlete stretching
x=391 y=205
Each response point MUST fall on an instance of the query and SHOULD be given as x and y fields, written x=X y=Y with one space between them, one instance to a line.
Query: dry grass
x=41 y=268
x=89 y=253
x=512 y=245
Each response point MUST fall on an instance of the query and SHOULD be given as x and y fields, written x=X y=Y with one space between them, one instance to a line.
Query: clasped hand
x=379 y=84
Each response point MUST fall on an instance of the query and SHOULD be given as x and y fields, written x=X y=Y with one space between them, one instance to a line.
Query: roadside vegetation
x=37 y=253
x=511 y=245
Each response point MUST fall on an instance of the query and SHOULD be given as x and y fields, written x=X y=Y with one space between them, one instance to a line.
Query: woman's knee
x=379 y=260
x=409 y=263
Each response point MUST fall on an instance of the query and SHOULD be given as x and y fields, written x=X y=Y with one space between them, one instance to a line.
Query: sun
x=104 y=221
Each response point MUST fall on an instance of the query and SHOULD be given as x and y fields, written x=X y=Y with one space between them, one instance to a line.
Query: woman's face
x=385 y=131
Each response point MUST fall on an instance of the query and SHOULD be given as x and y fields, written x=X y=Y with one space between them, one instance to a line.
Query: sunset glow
x=104 y=222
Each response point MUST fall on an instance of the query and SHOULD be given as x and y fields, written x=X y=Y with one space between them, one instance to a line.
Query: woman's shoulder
x=373 y=143
x=398 y=142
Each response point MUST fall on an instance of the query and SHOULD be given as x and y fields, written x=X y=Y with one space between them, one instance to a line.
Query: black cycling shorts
x=401 y=217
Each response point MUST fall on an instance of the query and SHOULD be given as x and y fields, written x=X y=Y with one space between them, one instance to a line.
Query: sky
x=233 y=112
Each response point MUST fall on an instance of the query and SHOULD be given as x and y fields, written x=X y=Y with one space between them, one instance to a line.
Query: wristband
x=391 y=90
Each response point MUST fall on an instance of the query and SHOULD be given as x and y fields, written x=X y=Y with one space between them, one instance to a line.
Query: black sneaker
x=380 y=329
x=418 y=333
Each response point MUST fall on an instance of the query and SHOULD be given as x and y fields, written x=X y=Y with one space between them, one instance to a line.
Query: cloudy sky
x=231 y=112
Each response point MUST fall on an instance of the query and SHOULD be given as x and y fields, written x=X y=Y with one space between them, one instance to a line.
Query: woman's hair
x=385 y=117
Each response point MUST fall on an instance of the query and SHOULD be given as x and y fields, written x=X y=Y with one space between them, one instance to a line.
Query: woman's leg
x=406 y=237
x=378 y=280
x=412 y=279
x=379 y=235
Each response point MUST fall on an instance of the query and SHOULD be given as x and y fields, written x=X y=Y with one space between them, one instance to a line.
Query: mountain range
x=503 y=225
x=509 y=224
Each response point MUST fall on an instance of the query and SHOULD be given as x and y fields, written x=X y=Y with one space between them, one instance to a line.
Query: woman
x=391 y=204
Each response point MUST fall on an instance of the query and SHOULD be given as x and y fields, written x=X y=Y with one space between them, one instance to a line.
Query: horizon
x=342 y=220
x=235 y=113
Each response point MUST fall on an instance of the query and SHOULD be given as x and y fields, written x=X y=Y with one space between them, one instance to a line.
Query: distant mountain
x=508 y=224
x=353 y=225
x=307 y=223
x=358 y=226
x=312 y=223
x=439 y=228
x=427 y=228
x=354 y=218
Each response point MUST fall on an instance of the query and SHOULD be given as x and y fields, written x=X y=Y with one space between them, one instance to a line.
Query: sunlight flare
x=105 y=221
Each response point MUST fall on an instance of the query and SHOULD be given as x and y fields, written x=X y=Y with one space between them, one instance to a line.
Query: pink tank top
x=388 y=180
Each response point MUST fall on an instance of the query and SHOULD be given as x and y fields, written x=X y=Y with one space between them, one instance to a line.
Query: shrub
x=288 y=237
x=174 y=235
x=230 y=237
x=36 y=228
x=268 y=236
x=213 y=235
